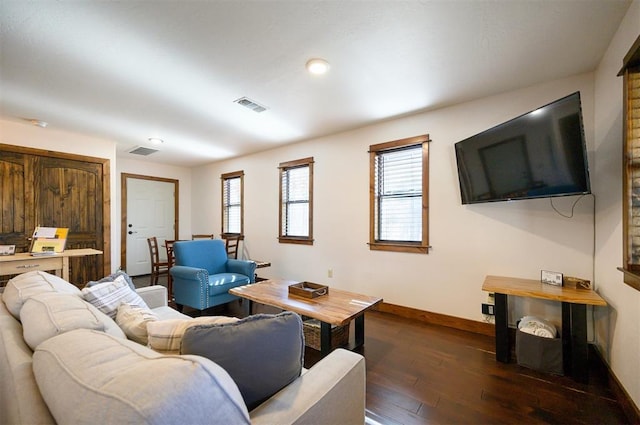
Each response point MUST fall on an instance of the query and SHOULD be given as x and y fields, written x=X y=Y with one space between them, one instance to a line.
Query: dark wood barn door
x=57 y=190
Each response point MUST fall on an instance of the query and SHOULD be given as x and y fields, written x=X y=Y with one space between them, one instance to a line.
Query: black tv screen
x=539 y=154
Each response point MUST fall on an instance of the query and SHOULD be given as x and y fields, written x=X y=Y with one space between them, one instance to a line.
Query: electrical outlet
x=330 y=273
x=488 y=309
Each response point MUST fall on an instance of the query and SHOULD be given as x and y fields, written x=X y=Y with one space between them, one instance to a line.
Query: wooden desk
x=575 y=351
x=25 y=262
x=336 y=308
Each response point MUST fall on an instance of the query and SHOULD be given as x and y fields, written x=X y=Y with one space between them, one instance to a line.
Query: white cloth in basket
x=537 y=326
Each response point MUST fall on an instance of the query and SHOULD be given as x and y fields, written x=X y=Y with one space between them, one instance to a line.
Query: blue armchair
x=202 y=274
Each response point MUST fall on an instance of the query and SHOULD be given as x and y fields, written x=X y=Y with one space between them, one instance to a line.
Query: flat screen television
x=536 y=155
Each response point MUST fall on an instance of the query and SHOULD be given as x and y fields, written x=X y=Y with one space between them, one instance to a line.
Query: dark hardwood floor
x=427 y=374
x=419 y=373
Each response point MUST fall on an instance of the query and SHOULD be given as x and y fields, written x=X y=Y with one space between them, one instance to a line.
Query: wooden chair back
x=232 y=243
x=168 y=244
x=169 y=247
x=158 y=267
x=202 y=236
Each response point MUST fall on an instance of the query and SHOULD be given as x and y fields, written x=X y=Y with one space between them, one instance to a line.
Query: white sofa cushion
x=87 y=377
x=20 y=399
x=166 y=313
x=133 y=320
x=48 y=314
x=26 y=285
x=107 y=296
x=165 y=336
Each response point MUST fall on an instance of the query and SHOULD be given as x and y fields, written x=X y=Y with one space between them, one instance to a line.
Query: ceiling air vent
x=250 y=104
x=141 y=150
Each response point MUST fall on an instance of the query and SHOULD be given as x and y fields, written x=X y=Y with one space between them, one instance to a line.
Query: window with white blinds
x=296 y=201
x=232 y=208
x=631 y=165
x=399 y=195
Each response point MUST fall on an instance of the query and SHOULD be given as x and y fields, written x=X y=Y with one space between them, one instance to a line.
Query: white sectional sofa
x=57 y=366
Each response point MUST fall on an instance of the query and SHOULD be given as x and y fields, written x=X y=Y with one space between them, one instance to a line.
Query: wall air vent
x=141 y=150
x=250 y=104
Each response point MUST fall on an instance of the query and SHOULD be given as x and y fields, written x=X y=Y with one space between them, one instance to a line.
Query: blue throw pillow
x=263 y=353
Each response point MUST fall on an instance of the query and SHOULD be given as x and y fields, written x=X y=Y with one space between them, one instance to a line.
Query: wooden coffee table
x=336 y=308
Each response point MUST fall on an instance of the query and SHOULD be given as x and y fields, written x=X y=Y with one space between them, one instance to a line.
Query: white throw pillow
x=537 y=326
x=165 y=336
x=133 y=320
x=108 y=296
x=49 y=314
x=22 y=287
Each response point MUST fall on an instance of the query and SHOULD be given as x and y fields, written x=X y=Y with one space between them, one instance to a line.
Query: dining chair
x=201 y=236
x=232 y=243
x=158 y=268
x=168 y=244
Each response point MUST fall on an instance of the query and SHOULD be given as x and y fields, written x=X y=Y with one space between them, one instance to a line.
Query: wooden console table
x=25 y=262
x=575 y=350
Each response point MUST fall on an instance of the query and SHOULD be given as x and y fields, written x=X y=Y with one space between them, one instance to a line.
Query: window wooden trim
x=284 y=166
x=223 y=178
x=411 y=247
x=631 y=73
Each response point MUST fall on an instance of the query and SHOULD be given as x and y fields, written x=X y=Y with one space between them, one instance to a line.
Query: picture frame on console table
x=551 y=278
x=7 y=249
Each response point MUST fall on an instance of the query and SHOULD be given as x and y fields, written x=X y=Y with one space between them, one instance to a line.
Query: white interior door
x=150 y=212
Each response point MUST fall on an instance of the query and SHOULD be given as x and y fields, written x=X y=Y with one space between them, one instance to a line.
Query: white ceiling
x=130 y=70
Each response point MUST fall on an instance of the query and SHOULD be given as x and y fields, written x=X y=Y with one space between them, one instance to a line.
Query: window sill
x=399 y=247
x=631 y=278
x=294 y=240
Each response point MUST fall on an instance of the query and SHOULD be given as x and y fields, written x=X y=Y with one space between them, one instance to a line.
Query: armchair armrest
x=189 y=273
x=331 y=392
x=245 y=267
x=155 y=296
x=190 y=286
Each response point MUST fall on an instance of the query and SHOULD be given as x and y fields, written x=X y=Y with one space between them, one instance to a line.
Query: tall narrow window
x=296 y=201
x=232 y=203
x=631 y=165
x=399 y=172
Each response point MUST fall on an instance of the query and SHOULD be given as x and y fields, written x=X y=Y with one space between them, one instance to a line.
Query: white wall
x=618 y=327
x=508 y=238
x=24 y=134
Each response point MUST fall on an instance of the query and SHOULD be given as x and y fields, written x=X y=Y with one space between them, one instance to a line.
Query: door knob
x=131 y=232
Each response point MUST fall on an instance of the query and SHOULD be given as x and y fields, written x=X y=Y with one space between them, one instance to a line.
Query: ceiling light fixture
x=317 y=66
x=155 y=140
